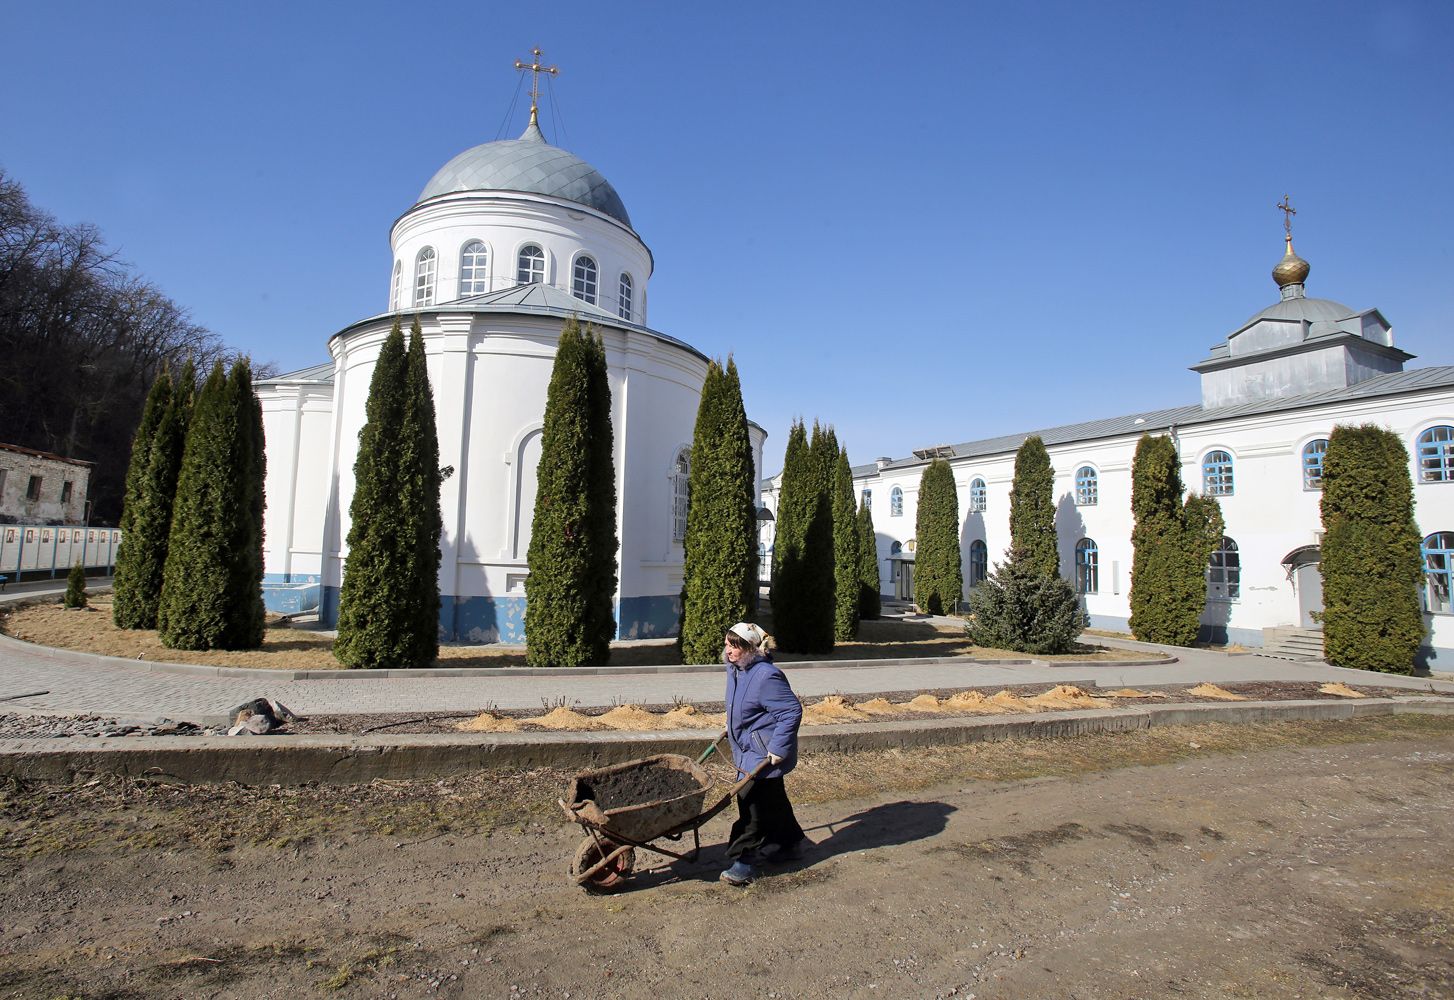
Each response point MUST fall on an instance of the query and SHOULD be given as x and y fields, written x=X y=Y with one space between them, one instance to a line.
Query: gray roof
x=1397 y=383
x=317 y=373
x=1303 y=308
x=532 y=165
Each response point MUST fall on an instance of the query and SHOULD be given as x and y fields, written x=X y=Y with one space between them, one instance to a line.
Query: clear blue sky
x=923 y=223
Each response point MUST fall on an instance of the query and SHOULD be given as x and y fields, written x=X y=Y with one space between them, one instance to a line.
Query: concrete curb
x=298 y=760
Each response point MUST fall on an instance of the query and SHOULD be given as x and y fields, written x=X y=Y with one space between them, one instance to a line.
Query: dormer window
x=583 y=279
x=530 y=266
x=424 y=267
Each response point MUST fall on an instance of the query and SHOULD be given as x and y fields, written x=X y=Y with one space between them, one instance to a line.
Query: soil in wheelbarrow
x=637 y=785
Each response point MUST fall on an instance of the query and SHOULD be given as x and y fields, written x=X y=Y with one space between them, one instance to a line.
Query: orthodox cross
x=536 y=69
x=1285 y=206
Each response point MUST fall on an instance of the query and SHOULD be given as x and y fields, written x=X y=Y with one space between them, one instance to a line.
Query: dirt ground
x=284 y=648
x=1286 y=860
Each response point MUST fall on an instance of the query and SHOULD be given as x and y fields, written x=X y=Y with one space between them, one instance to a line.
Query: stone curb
x=284 y=760
x=21 y=647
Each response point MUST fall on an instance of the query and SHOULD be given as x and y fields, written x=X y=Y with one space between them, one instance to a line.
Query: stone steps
x=1287 y=643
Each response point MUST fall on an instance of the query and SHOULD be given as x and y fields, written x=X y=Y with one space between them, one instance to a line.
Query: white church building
x=1271 y=392
x=506 y=242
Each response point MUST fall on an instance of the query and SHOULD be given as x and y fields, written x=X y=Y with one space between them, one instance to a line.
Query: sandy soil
x=1287 y=860
x=91 y=630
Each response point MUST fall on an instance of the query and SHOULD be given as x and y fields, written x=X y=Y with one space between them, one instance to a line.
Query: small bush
x=76 y=587
x=1020 y=608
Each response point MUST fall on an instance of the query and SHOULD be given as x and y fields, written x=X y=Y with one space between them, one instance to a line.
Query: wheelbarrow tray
x=641 y=800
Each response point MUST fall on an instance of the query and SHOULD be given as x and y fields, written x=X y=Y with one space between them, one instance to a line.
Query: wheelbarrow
x=628 y=806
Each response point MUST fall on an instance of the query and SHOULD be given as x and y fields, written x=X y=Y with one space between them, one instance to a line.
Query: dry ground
x=1287 y=860
x=91 y=630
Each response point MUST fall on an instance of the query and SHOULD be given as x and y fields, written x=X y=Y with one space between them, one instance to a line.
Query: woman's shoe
x=741 y=873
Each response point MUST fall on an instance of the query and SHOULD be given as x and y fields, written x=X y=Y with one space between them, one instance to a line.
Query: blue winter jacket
x=763 y=716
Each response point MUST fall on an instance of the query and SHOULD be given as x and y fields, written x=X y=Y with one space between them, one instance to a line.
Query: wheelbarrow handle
x=714 y=746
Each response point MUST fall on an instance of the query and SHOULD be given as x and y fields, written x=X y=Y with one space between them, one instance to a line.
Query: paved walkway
x=81 y=683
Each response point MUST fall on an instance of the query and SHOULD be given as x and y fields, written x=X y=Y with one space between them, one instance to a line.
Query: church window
x=681 y=498
x=626 y=299
x=867 y=497
x=1313 y=453
x=1217 y=474
x=1438 y=552
x=978 y=496
x=530 y=266
x=397 y=286
x=1087 y=566
x=1436 y=455
x=1224 y=572
x=896 y=502
x=424 y=277
x=979 y=562
x=583 y=279
x=474 y=262
x=1086 y=487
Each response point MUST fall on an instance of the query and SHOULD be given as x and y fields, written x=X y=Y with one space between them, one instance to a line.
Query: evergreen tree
x=869 y=601
x=210 y=588
x=1371 y=566
x=75 y=587
x=419 y=498
x=250 y=620
x=130 y=605
x=1032 y=508
x=1020 y=607
x=572 y=555
x=938 y=574
x=797 y=505
x=845 y=552
x=720 y=546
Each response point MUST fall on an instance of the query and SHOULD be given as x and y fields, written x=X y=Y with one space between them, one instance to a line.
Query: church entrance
x=1304 y=568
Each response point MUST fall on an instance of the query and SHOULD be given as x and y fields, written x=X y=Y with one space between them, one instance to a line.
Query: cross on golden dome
x=1285 y=205
x=535 y=69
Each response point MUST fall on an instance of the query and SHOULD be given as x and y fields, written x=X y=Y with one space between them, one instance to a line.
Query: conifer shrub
x=845 y=552
x=419 y=498
x=1371 y=565
x=75 y=587
x=803 y=567
x=1032 y=507
x=719 y=576
x=250 y=619
x=938 y=573
x=1020 y=607
x=869 y=600
x=133 y=606
x=570 y=591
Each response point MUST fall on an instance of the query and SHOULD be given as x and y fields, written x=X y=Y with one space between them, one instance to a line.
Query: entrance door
x=904 y=580
x=1309 y=583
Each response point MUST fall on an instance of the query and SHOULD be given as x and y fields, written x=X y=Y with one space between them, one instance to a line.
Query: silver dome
x=528 y=164
x=1300 y=308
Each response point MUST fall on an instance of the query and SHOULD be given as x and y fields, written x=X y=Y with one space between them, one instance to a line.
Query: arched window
x=978 y=496
x=1217 y=474
x=1224 y=572
x=1313 y=453
x=474 y=261
x=896 y=548
x=680 y=494
x=396 y=285
x=1087 y=566
x=1438 y=552
x=424 y=277
x=625 y=295
x=583 y=281
x=527 y=465
x=530 y=265
x=1436 y=455
x=896 y=502
x=1087 y=490
x=979 y=562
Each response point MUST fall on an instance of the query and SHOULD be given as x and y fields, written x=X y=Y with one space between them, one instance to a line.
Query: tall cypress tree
x=572 y=555
x=797 y=503
x=820 y=581
x=845 y=552
x=250 y=616
x=373 y=630
x=869 y=600
x=419 y=487
x=1032 y=508
x=720 y=548
x=138 y=561
x=1371 y=564
x=938 y=574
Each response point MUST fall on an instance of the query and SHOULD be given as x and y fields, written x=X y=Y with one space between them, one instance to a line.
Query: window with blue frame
x=1217 y=474
x=896 y=502
x=1313 y=453
x=1436 y=455
x=1087 y=487
x=979 y=562
x=1087 y=566
x=1438 y=552
x=978 y=496
x=1224 y=572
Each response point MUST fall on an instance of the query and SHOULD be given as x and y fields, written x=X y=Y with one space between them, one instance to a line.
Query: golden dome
x=1292 y=269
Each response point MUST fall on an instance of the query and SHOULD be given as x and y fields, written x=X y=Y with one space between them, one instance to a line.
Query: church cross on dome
x=536 y=69
x=1285 y=206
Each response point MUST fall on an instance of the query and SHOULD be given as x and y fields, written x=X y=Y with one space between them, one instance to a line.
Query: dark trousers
x=764 y=816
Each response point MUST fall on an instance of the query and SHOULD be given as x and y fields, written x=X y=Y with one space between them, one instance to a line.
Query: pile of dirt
x=833 y=708
x=1133 y=693
x=923 y=703
x=1205 y=690
x=566 y=719
x=1341 y=690
x=1067 y=696
x=1011 y=702
x=687 y=717
x=488 y=722
x=972 y=701
x=877 y=706
x=633 y=718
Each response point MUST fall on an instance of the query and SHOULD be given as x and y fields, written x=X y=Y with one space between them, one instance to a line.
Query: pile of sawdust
x=1341 y=690
x=833 y=708
x=923 y=703
x=487 y=722
x=1205 y=690
x=1133 y=693
x=564 y=718
x=1008 y=702
x=633 y=718
x=972 y=701
x=687 y=717
x=877 y=706
x=1066 y=696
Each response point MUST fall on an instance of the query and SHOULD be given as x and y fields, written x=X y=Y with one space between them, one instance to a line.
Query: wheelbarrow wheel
x=609 y=878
